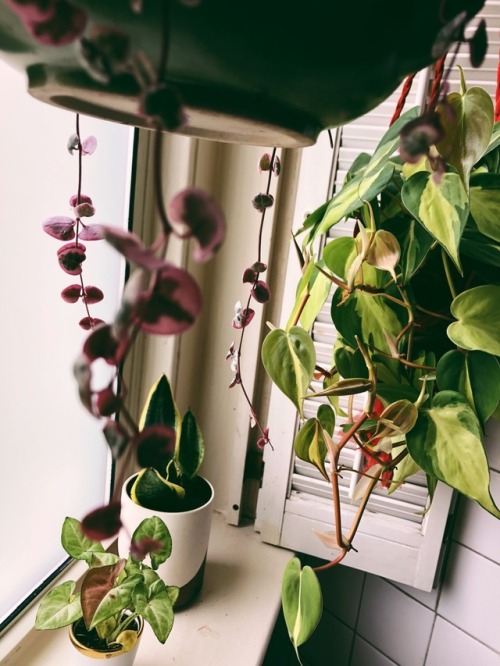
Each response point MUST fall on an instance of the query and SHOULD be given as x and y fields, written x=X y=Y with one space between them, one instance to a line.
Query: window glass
x=54 y=461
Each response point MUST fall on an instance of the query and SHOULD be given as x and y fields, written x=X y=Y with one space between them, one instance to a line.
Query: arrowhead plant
x=114 y=592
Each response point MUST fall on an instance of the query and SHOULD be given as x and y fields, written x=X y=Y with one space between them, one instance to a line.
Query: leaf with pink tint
x=76 y=199
x=329 y=539
x=204 y=218
x=242 y=317
x=132 y=248
x=261 y=292
x=155 y=446
x=89 y=145
x=101 y=344
x=70 y=257
x=90 y=322
x=107 y=402
x=103 y=522
x=84 y=210
x=90 y=232
x=116 y=437
x=63 y=27
x=33 y=10
x=60 y=227
x=93 y=295
x=173 y=304
x=72 y=293
x=146 y=546
x=96 y=584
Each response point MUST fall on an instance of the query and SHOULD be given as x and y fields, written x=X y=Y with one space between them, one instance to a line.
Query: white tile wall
x=476 y=528
x=470 y=595
x=394 y=623
x=332 y=640
x=450 y=645
x=366 y=655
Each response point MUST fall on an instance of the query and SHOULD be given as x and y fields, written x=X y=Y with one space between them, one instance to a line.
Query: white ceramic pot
x=190 y=531
x=84 y=656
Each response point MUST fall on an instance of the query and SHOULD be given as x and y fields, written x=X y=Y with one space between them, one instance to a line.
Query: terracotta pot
x=82 y=654
x=261 y=72
x=190 y=531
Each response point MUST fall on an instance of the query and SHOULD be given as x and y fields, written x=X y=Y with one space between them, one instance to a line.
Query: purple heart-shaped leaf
x=172 y=305
x=60 y=227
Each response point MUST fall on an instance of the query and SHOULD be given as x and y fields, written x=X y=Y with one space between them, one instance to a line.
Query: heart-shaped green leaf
x=76 y=544
x=467 y=128
x=370 y=182
x=441 y=208
x=447 y=443
x=478 y=314
x=338 y=255
x=154 y=529
x=474 y=374
x=59 y=608
x=485 y=203
x=289 y=358
x=365 y=316
x=156 y=607
x=310 y=444
x=302 y=602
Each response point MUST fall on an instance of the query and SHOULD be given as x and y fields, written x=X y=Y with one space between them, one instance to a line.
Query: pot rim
x=92 y=653
x=126 y=494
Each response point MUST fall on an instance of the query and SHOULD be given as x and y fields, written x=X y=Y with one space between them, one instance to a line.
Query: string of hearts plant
x=415 y=303
x=159 y=298
x=259 y=292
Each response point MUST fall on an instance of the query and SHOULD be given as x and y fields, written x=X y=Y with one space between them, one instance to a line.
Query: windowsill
x=231 y=621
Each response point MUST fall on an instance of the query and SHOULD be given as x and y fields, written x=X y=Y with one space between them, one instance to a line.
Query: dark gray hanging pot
x=266 y=72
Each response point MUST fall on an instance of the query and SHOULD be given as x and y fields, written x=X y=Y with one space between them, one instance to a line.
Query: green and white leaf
x=447 y=443
x=289 y=358
x=478 y=314
x=310 y=444
x=467 y=130
x=76 y=544
x=485 y=203
x=302 y=602
x=441 y=208
x=59 y=608
x=154 y=528
x=156 y=607
x=476 y=375
x=370 y=183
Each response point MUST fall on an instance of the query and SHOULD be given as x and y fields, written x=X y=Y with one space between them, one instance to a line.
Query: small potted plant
x=106 y=616
x=169 y=486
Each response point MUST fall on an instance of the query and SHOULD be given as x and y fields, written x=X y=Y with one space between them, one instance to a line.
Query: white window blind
x=397 y=538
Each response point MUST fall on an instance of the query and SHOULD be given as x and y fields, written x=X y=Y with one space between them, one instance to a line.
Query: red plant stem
x=436 y=83
x=402 y=98
x=334 y=479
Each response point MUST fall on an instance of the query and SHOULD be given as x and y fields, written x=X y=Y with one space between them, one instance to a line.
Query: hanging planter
x=190 y=532
x=260 y=73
